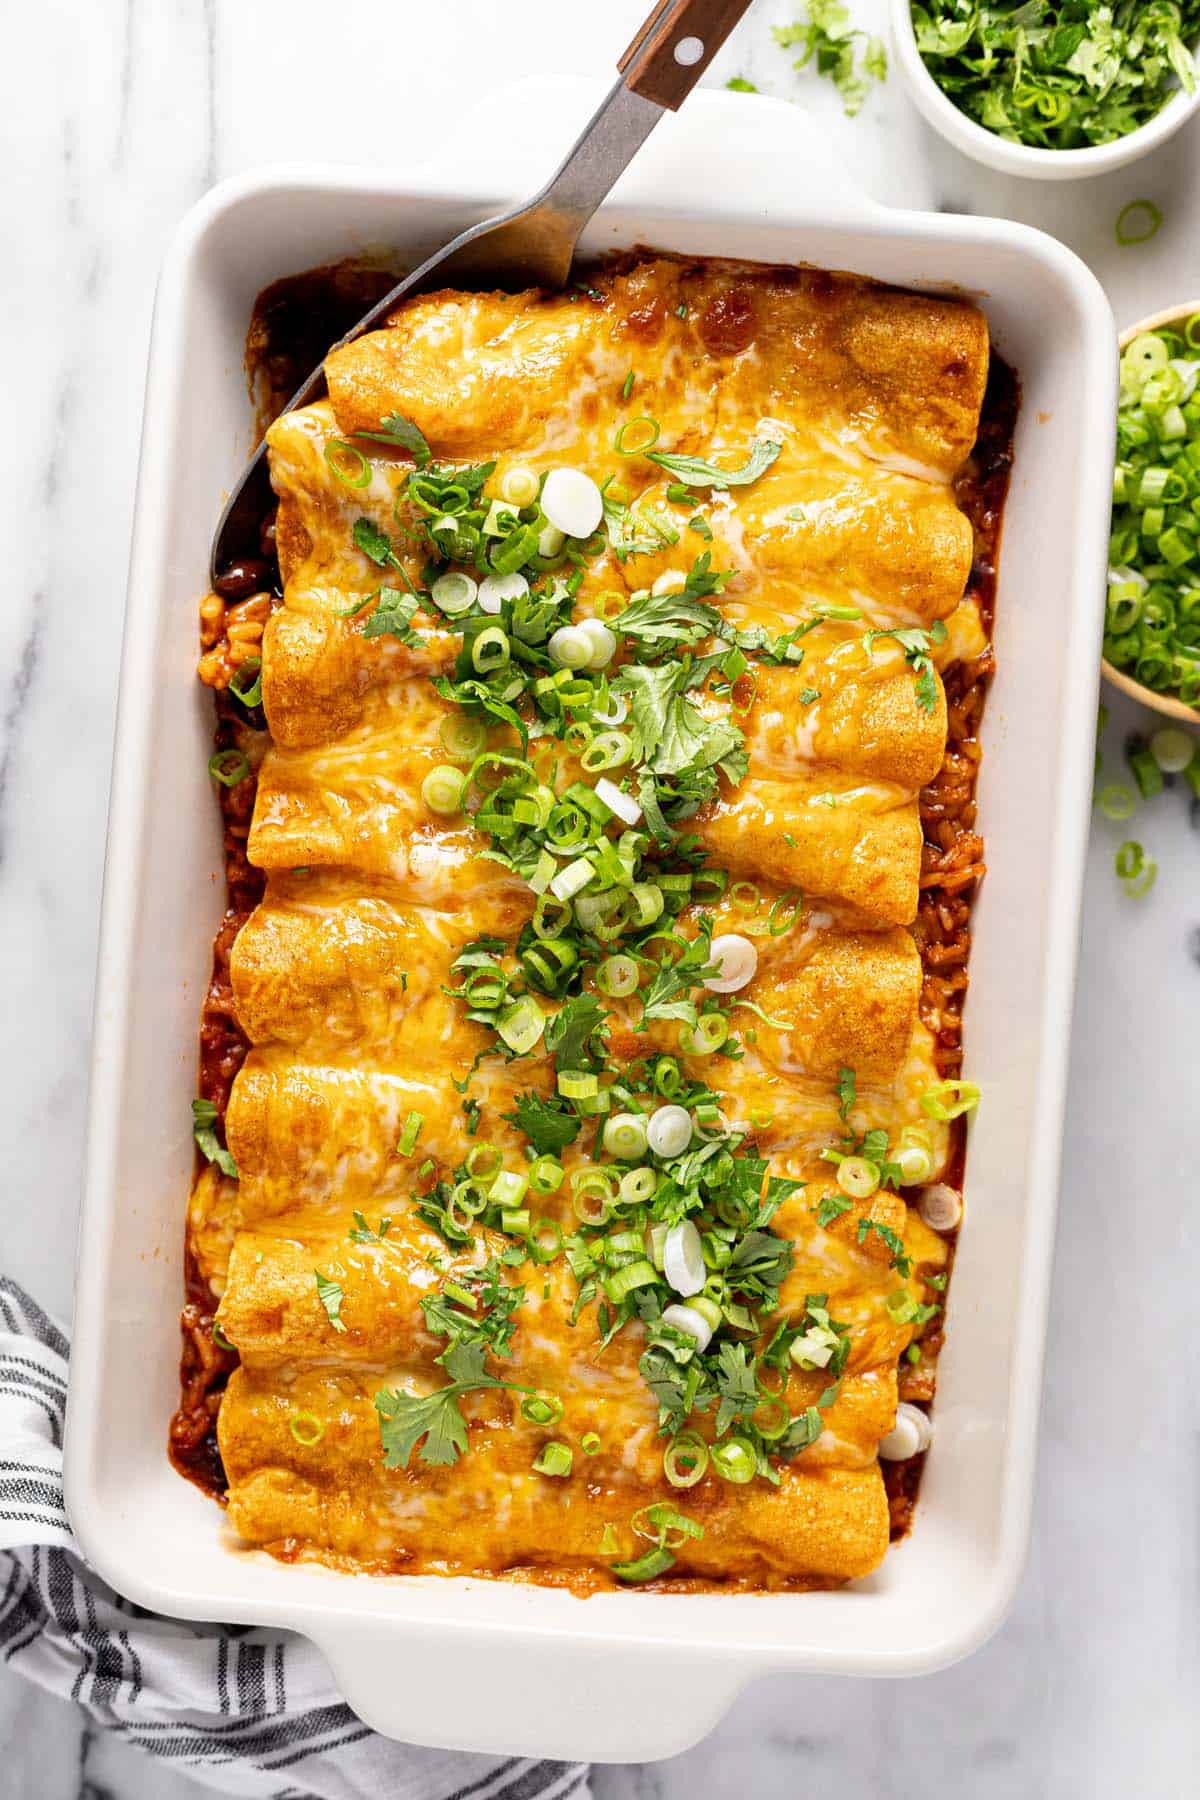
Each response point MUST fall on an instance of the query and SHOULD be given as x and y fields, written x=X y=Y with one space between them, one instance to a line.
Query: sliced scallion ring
x=228 y=767
x=442 y=790
x=306 y=1428
x=950 y=1099
x=685 y=1459
x=734 y=1460
x=348 y=463
x=1138 y=222
x=635 y=436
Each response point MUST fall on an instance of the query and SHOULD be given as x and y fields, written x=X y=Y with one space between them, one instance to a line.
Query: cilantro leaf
x=663 y=619
x=392 y=616
x=668 y=995
x=832 y=1207
x=546 y=1123
x=331 y=1297
x=404 y=434
x=673 y=735
x=204 y=1122
x=737 y=1385
x=362 y=1233
x=915 y=644
x=407 y=1419
x=895 y=1243
x=374 y=543
x=694 y=471
x=569 y=1034
x=828 y=39
x=847 y=1092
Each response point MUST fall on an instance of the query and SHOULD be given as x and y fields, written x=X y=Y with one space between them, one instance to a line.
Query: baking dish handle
x=472 y=1690
x=734 y=157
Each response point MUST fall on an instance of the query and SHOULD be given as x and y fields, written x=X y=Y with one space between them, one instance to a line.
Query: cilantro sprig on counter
x=1060 y=77
x=829 y=40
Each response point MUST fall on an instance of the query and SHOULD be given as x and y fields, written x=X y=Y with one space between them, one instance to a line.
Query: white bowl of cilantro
x=1051 y=88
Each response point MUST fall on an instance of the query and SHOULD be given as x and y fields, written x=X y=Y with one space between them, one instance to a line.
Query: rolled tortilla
x=492 y=1512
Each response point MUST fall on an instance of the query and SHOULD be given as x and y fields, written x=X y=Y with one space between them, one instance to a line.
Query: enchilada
x=592 y=1043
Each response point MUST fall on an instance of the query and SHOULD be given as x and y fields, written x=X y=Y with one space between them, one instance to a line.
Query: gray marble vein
x=115 y=117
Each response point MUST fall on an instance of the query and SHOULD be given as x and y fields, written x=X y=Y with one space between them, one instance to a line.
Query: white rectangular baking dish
x=493 y=1665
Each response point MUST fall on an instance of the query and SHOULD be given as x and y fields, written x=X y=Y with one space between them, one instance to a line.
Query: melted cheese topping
x=340 y=976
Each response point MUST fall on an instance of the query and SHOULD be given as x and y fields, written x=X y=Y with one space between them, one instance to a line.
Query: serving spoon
x=531 y=245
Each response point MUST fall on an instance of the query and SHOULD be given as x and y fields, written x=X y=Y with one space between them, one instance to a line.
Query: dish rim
x=349 y=1629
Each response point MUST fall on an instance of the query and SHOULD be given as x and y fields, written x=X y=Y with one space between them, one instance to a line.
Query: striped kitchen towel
x=243 y=1711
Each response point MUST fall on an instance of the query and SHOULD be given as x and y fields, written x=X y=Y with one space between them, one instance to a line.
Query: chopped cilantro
x=404 y=434
x=1059 y=76
x=434 y=1421
x=331 y=1297
x=828 y=39
x=204 y=1130
x=694 y=471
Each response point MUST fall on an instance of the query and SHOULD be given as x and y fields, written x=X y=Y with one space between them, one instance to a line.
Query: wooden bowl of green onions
x=1152 y=612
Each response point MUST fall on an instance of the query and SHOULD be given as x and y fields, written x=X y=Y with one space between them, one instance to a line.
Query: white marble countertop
x=117 y=116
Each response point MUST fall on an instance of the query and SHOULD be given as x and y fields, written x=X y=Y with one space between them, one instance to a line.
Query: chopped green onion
x=463 y=736
x=625 y=1136
x=554 y=1459
x=522 y=1025
x=607 y=751
x=228 y=767
x=1116 y=801
x=491 y=650
x=637 y=1186
x=950 y=1100
x=484 y=1161
x=454 y=593
x=626 y=1280
x=442 y=790
x=542 y=1409
x=1138 y=222
x=1137 y=871
x=573 y=879
x=644 y=1568
x=348 y=463
x=1171 y=748
x=508 y=1190
x=627 y=385
x=306 y=1428
x=250 y=696
x=708 y=1034
x=519 y=485
x=570 y=647
x=644 y=429
x=545 y=1175
x=1146 y=771
x=410 y=1133
x=668 y=1079
x=733 y=1459
x=545 y=1240
x=857 y=1177
x=617 y=976
x=685 y=1460
x=589 y=1443
x=574 y=1084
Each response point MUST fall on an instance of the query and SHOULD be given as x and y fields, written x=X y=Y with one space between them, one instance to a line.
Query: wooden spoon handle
x=674 y=47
